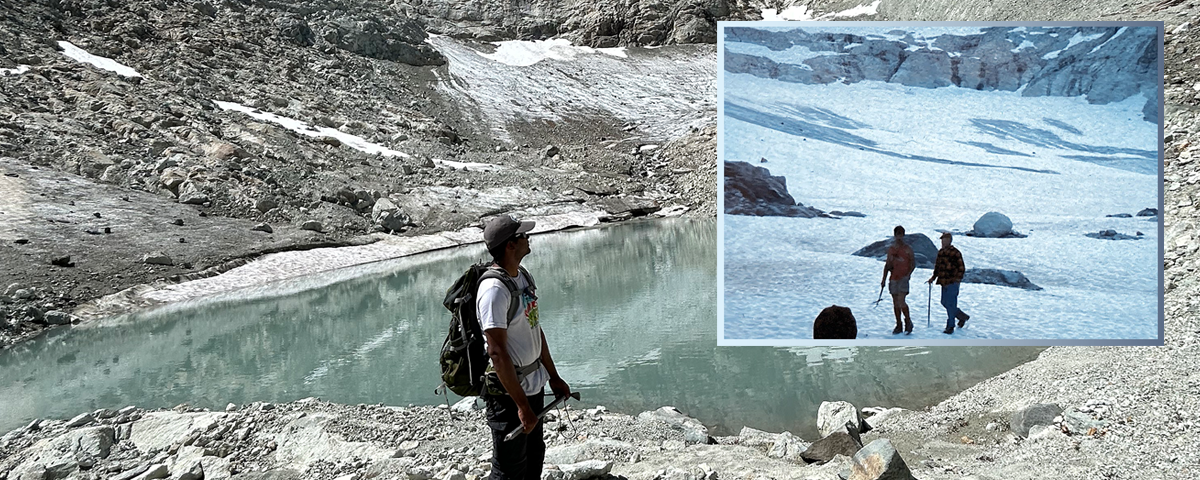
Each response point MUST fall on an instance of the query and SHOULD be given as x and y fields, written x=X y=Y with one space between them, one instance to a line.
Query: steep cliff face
x=1105 y=64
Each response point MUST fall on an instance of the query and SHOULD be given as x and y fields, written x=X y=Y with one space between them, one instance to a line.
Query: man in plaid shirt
x=948 y=270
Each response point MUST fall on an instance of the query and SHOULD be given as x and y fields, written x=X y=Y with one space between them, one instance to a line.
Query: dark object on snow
x=1038 y=414
x=1004 y=278
x=751 y=190
x=839 y=213
x=923 y=249
x=1111 y=235
x=1120 y=215
x=1149 y=212
x=63 y=261
x=835 y=322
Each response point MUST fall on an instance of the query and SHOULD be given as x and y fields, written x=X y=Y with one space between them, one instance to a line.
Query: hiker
x=900 y=262
x=948 y=270
x=519 y=353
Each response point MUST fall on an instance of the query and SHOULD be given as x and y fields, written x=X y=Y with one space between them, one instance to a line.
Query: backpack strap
x=514 y=293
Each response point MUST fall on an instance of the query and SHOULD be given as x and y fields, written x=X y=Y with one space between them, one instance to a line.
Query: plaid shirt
x=949 y=266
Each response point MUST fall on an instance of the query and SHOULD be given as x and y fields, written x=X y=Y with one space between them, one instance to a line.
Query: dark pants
x=950 y=301
x=521 y=458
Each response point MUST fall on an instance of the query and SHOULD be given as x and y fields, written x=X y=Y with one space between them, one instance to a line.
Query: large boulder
x=839 y=417
x=923 y=250
x=879 y=460
x=693 y=430
x=993 y=225
x=1038 y=414
x=835 y=322
x=836 y=443
x=752 y=190
x=388 y=216
x=1004 y=278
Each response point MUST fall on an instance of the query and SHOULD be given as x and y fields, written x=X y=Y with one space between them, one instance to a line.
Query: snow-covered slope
x=938 y=159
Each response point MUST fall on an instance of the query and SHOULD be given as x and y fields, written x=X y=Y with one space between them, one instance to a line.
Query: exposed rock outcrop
x=752 y=190
x=923 y=250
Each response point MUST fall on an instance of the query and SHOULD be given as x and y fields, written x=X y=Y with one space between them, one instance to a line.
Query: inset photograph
x=966 y=183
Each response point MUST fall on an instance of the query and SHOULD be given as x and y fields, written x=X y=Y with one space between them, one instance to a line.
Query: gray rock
x=157 y=258
x=190 y=194
x=992 y=225
x=62 y=261
x=56 y=317
x=550 y=151
x=579 y=471
x=836 y=443
x=839 y=417
x=1038 y=414
x=468 y=404
x=263 y=227
x=312 y=225
x=23 y=294
x=752 y=190
x=1005 y=278
x=923 y=250
x=265 y=205
x=1079 y=423
x=756 y=438
x=879 y=460
x=193 y=472
x=693 y=430
x=96 y=441
x=155 y=471
x=34 y=313
x=592 y=449
x=80 y=420
x=387 y=215
x=1119 y=215
x=295 y=30
x=1148 y=212
x=787 y=447
x=1111 y=235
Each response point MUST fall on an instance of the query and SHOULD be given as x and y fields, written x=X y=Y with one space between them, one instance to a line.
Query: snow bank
x=803 y=13
x=79 y=55
x=14 y=71
x=523 y=53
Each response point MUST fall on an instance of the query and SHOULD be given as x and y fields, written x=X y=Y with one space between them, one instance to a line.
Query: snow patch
x=523 y=53
x=1097 y=47
x=803 y=13
x=79 y=55
x=871 y=9
x=353 y=141
x=4 y=72
x=1024 y=44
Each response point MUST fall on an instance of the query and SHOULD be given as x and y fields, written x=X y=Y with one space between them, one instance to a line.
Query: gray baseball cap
x=499 y=229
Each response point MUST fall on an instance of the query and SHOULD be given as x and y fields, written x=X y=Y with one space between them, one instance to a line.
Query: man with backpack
x=900 y=262
x=520 y=356
x=948 y=270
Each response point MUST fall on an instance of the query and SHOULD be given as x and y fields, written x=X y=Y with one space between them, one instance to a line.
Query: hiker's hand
x=528 y=418
x=560 y=388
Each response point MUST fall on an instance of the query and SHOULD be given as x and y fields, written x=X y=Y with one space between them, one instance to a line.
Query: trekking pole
x=928 y=303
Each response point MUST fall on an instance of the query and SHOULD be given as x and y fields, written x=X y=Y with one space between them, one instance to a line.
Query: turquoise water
x=629 y=312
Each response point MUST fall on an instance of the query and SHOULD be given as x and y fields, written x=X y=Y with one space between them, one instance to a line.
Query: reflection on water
x=629 y=311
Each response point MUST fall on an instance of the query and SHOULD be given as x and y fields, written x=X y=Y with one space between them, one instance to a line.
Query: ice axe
x=928 y=303
x=876 y=302
x=557 y=400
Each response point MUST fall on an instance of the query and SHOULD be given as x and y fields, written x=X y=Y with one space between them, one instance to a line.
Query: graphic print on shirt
x=531 y=308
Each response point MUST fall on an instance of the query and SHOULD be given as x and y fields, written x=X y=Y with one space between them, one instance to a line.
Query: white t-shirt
x=524 y=334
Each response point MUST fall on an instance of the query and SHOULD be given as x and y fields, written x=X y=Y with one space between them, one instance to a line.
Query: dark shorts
x=897 y=286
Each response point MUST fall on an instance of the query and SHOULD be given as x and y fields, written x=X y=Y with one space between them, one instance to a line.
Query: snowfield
x=932 y=160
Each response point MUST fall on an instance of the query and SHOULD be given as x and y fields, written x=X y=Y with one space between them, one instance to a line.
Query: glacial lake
x=629 y=312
